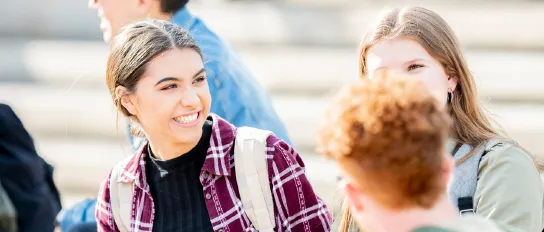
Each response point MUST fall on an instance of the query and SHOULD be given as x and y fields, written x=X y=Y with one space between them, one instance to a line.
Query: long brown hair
x=470 y=124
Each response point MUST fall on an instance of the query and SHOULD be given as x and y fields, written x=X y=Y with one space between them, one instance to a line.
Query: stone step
x=90 y=114
x=482 y=24
x=82 y=164
x=344 y=24
x=283 y=70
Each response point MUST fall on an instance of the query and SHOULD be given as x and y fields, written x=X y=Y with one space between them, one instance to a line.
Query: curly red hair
x=388 y=134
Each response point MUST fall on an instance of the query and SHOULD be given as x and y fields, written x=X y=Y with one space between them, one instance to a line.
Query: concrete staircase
x=301 y=52
x=478 y=23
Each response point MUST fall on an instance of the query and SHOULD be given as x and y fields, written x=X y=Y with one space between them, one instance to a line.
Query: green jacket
x=510 y=190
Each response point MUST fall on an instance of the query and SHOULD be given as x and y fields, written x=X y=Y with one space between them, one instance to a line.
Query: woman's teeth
x=187 y=119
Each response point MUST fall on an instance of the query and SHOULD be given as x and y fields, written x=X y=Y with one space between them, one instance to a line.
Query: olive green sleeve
x=509 y=189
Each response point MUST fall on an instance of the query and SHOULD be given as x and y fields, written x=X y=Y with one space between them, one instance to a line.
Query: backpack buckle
x=466 y=211
x=465 y=205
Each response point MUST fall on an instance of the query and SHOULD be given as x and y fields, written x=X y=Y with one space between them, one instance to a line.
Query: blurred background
x=52 y=66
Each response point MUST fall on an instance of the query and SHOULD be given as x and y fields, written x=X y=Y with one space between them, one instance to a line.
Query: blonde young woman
x=507 y=188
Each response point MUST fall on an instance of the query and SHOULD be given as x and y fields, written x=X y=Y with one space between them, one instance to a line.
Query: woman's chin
x=188 y=135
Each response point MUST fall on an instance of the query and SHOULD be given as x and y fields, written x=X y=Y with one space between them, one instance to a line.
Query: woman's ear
x=448 y=167
x=453 y=80
x=126 y=100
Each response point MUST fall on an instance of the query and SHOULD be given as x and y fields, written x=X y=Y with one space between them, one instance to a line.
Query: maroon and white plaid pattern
x=296 y=206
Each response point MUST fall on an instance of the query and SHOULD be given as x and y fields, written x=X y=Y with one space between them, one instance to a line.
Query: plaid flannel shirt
x=296 y=206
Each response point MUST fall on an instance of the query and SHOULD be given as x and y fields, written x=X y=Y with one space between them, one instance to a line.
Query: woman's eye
x=172 y=86
x=414 y=66
x=199 y=79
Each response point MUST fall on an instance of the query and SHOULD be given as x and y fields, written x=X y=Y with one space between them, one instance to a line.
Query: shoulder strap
x=466 y=174
x=252 y=177
x=121 y=198
x=494 y=142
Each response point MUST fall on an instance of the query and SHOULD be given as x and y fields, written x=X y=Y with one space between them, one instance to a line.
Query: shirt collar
x=218 y=158
x=183 y=18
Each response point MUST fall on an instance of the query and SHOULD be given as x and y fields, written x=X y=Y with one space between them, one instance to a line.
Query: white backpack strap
x=252 y=177
x=121 y=198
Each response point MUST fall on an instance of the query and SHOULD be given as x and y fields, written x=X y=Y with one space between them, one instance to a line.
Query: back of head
x=25 y=177
x=13 y=135
x=171 y=6
x=387 y=134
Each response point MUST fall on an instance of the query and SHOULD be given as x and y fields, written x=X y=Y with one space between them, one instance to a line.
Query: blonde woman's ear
x=452 y=83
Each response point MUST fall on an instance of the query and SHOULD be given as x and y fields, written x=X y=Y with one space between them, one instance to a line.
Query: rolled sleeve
x=297 y=207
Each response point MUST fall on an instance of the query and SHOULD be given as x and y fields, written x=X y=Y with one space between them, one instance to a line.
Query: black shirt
x=177 y=191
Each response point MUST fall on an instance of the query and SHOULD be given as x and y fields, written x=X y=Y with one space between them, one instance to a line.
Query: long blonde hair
x=470 y=124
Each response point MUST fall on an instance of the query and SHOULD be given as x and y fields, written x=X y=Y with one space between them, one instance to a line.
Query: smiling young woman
x=184 y=178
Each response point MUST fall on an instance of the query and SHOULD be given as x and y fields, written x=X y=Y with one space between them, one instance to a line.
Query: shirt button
x=206 y=175
x=221 y=230
x=208 y=196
